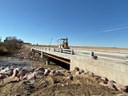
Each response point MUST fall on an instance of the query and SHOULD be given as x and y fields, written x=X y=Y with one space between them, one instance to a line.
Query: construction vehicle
x=63 y=43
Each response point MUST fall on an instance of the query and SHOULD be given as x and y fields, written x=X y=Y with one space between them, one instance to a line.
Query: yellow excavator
x=63 y=43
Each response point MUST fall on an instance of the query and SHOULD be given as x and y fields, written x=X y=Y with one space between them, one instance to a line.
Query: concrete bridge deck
x=112 y=68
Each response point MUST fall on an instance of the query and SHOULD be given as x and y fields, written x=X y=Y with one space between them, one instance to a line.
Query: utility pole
x=50 y=43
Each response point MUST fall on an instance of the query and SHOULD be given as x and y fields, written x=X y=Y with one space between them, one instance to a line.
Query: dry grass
x=113 y=49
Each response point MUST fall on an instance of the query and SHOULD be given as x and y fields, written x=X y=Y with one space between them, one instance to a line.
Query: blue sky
x=84 y=22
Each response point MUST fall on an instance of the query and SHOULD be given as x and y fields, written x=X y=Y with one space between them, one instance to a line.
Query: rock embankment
x=27 y=53
x=56 y=82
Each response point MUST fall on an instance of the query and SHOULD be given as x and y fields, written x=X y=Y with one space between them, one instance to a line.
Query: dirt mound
x=24 y=51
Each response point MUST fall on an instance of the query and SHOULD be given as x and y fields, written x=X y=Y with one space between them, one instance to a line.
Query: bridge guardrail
x=66 y=51
x=86 y=53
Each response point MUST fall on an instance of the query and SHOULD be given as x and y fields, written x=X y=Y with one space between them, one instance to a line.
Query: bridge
x=114 y=66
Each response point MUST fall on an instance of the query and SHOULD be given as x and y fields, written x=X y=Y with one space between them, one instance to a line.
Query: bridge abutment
x=110 y=69
x=42 y=54
x=47 y=62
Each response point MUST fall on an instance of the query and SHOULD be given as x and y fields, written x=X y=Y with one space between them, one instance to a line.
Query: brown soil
x=58 y=86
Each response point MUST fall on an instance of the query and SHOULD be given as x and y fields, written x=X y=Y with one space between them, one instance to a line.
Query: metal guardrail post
x=72 y=52
x=61 y=51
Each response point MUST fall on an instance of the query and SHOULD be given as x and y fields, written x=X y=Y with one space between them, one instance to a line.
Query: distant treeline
x=10 y=45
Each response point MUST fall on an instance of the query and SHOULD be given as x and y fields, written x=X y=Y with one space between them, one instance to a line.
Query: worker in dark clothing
x=92 y=54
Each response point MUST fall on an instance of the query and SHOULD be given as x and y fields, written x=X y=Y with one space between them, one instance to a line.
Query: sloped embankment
x=54 y=82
